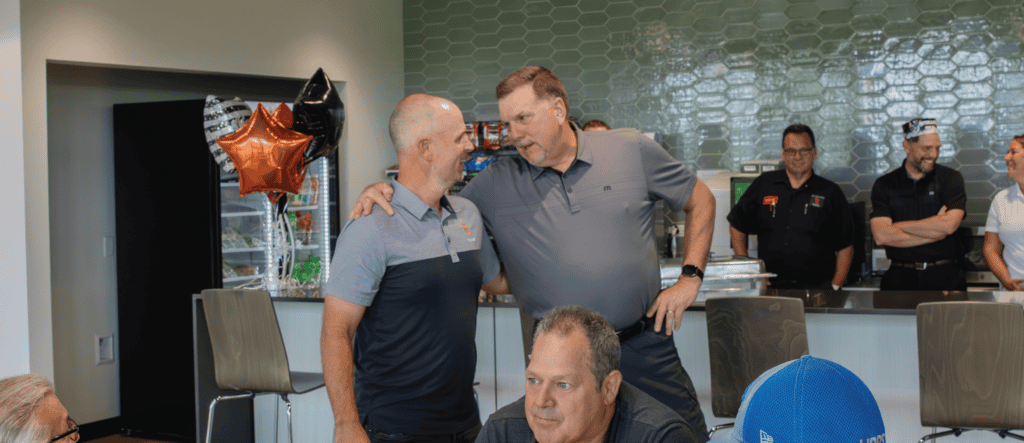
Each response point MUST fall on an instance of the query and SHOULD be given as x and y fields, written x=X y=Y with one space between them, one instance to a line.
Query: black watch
x=692 y=271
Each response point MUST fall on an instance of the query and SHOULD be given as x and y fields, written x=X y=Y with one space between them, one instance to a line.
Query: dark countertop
x=866 y=302
x=835 y=302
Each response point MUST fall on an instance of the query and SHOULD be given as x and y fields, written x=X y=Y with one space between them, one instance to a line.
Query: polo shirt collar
x=582 y=154
x=784 y=178
x=905 y=175
x=411 y=203
x=1015 y=193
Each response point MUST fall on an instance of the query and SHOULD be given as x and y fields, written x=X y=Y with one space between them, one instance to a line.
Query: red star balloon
x=268 y=156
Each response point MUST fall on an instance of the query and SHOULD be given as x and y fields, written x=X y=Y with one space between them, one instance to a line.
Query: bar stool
x=971 y=367
x=248 y=350
x=747 y=336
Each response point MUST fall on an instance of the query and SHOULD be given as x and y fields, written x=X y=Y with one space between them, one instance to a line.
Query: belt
x=632 y=330
x=922 y=265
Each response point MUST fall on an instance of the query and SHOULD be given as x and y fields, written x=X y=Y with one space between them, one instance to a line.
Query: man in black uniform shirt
x=914 y=211
x=802 y=221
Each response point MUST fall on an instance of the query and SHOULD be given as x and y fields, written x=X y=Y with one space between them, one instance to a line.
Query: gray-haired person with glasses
x=803 y=223
x=31 y=413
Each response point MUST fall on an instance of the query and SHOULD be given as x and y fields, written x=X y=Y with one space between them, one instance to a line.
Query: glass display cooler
x=248 y=234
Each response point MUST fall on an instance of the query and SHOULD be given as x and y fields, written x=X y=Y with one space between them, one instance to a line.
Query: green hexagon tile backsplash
x=721 y=79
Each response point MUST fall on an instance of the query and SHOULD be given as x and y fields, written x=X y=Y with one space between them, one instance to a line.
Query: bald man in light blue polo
x=405 y=289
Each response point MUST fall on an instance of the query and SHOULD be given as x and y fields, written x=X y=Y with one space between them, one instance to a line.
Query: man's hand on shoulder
x=669 y=306
x=379 y=193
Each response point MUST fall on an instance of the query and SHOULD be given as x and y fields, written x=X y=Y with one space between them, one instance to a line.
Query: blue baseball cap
x=809 y=400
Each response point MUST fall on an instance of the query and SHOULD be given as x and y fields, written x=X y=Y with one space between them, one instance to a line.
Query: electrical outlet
x=104 y=349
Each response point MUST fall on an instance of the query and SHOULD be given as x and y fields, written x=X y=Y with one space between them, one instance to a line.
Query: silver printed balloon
x=222 y=117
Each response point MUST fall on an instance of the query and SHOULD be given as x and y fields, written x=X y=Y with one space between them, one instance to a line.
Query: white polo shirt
x=1006 y=218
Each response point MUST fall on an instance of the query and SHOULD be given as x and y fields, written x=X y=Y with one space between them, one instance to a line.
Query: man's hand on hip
x=671 y=303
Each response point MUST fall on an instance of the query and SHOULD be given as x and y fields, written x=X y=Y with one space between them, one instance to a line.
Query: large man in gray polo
x=409 y=285
x=573 y=220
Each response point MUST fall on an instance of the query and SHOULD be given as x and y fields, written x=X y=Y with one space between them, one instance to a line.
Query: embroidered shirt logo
x=770 y=200
x=469 y=233
x=765 y=438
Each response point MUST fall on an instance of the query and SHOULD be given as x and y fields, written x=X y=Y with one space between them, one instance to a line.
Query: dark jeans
x=467 y=436
x=651 y=363
x=948 y=277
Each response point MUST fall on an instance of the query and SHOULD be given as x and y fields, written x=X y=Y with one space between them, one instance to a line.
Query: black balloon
x=319 y=112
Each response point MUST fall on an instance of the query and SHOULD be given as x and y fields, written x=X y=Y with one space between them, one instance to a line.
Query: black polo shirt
x=798 y=230
x=901 y=198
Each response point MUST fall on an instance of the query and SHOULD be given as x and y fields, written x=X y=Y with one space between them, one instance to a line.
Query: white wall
x=14 y=326
x=359 y=43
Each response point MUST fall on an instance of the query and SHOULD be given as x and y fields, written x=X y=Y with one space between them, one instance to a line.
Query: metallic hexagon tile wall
x=720 y=79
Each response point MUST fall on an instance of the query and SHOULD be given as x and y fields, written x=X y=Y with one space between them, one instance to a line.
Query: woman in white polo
x=1004 y=230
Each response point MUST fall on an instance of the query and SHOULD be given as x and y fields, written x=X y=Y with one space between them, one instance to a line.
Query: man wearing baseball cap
x=915 y=209
x=809 y=400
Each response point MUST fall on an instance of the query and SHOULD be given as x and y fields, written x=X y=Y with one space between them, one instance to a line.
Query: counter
x=872 y=333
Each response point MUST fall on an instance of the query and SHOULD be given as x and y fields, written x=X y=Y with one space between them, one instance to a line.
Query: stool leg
x=1006 y=433
x=719 y=428
x=289 y=411
x=213 y=404
x=954 y=431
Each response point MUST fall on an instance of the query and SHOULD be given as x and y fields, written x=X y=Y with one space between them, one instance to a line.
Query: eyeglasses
x=72 y=432
x=793 y=152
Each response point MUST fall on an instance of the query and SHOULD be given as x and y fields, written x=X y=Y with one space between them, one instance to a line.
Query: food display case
x=248 y=235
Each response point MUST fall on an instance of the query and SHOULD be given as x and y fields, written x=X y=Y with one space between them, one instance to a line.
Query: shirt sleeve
x=880 y=199
x=676 y=433
x=667 y=178
x=992 y=222
x=743 y=216
x=359 y=262
x=479 y=191
x=489 y=434
x=489 y=262
x=954 y=196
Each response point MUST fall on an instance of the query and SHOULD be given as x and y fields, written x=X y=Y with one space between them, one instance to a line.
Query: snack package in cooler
x=478 y=163
x=493 y=135
x=227 y=271
x=473 y=132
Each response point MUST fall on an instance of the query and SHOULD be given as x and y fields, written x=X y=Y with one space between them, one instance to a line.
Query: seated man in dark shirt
x=575 y=392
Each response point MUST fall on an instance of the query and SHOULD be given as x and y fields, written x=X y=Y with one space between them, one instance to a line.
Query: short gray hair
x=20 y=397
x=605 y=352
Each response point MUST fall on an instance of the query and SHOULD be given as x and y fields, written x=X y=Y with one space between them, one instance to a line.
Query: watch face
x=692 y=271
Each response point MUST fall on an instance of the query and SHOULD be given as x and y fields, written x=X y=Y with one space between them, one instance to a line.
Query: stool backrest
x=248 y=350
x=746 y=337
x=971 y=364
